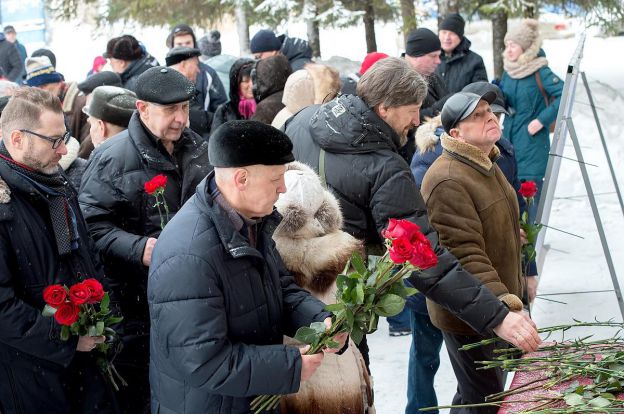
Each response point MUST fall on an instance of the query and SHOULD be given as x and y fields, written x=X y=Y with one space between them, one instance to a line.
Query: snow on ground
x=572 y=264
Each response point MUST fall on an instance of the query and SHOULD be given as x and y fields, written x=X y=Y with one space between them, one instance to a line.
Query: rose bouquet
x=364 y=294
x=528 y=190
x=156 y=187
x=83 y=310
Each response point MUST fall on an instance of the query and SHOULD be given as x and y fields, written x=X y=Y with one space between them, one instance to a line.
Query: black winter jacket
x=462 y=68
x=10 y=61
x=298 y=51
x=218 y=309
x=373 y=184
x=269 y=81
x=130 y=75
x=437 y=94
x=38 y=371
x=121 y=216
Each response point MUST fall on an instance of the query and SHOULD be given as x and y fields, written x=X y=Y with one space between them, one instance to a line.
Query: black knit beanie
x=454 y=23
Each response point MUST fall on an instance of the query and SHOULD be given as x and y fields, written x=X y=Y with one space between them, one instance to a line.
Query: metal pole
x=602 y=139
x=594 y=206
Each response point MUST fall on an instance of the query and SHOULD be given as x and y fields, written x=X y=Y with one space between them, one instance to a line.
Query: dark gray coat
x=373 y=184
x=10 y=61
x=462 y=68
x=218 y=310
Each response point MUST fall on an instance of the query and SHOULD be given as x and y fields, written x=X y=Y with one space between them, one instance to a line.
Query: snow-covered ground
x=572 y=264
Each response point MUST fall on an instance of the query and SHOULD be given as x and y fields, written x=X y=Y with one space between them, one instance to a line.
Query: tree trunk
x=369 y=27
x=530 y=10
x=242 y=28
x=446 y=7
x=408 y=13
x=314 y=39
x=499 y=30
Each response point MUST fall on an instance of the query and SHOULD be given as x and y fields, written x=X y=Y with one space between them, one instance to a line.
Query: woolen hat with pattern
x=112 y=104
x=421 y=42
x=244 y=143
x=524 y=34
x=454 y=23
x=264 y=41
x=39 y=71
x=105 y=77
x=164 y=86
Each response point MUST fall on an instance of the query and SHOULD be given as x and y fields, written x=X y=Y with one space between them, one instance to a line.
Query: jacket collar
x=459 y=52
x=471 y=155
x=231 y=239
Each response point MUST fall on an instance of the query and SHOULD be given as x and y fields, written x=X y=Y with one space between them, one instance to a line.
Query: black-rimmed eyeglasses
x=56 y=141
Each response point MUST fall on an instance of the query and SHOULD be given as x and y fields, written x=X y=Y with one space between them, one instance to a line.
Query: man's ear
x=17 y=139
x=454 y=132
x=382 y=111
x=241 y=179
x=142 y=107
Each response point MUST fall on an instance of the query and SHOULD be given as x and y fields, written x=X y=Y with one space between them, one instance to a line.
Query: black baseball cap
x=459 y=106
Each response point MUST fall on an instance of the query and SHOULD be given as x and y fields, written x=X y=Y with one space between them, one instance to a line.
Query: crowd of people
x=274 y=169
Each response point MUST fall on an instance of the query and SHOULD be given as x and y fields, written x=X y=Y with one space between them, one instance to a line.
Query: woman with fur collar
x=533 y=93
x=315 y=250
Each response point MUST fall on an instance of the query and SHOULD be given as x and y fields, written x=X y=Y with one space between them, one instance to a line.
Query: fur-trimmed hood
x=426 y=136
x=310 y=237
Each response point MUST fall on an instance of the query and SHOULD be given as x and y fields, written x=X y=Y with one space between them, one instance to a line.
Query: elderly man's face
x=264 y=185
x=37 y=153
x=401 y=119
x=165 y=121
x=425 y=64
x=480 y=128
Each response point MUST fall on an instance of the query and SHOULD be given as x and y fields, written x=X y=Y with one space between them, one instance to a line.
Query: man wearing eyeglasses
x=125 y=221
x=43 y=241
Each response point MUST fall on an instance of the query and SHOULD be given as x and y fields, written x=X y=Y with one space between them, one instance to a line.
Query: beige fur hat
x=525 y=34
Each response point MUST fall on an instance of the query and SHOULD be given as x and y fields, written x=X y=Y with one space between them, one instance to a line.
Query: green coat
x=524 y=96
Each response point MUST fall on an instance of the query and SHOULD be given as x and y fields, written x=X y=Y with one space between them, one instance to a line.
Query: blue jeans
x=400 y=321
x=424 y=358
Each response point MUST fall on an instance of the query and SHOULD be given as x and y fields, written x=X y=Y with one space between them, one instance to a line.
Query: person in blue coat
x=533 y=93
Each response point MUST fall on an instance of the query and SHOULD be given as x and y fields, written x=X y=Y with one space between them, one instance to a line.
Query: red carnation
x=157 y=183
x=54 y=295
x=96 y=291
x=67 y=313
x=528 y=189
x=79 y=294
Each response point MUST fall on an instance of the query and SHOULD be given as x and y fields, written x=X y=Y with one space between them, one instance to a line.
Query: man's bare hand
x=341 y=338
x=523 y=237
x=309 y=363
x=518 y=329
x=147 y=252
x=88 y=343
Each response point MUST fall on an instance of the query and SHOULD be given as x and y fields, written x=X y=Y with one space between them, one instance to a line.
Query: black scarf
x=57 y=193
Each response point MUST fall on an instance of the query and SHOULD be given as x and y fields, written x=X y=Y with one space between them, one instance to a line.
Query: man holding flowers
x=132 y=185
x=220 y=297
x=43 y=242
x=475 y=212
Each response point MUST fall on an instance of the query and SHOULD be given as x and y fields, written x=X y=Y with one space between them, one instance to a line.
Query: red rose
x=528 y=189
x=96 y=291
x=67 y=313
x=401 y=250
x=401 y=228
x=54 y=295
x=424 y=257
x=155 y=184
x=79 y=294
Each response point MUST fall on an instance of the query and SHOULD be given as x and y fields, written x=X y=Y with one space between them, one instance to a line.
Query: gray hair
x=25 y=108
x=391 y=82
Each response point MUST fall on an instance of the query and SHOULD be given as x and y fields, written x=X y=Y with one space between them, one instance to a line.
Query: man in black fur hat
x=125 y=221
x=220 y=298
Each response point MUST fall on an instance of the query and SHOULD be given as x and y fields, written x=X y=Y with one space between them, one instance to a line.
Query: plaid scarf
x=57 y=192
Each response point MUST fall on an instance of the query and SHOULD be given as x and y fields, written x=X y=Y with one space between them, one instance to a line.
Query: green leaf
x=372 y=323
x=64 y=333
x=573 y=399
x=112 y=320
x=340 y=282
x=319 y=327
x=48 y=311
x=599 y=402
x=358 y=263
x=335 y=307
x=104 y=304
x=99 y=328
x=92 y=331
x=356 y=335
x=389 y=305
x=411 y=291
x=306 y=335
x=359 y=294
